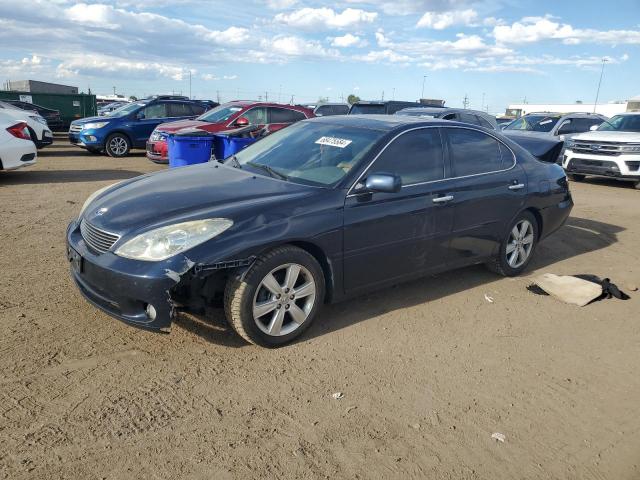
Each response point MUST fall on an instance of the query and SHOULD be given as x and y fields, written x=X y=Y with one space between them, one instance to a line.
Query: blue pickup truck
x=131 y=125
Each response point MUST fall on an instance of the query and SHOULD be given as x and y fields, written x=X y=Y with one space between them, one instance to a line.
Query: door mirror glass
x=383 y=182
x=242 y=122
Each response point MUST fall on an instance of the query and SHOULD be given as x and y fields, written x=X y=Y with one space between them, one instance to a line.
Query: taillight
x=20 y=130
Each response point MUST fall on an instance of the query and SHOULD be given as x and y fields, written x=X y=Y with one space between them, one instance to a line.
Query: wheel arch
x=123 y=132
x=538 y=216
x=321 y=257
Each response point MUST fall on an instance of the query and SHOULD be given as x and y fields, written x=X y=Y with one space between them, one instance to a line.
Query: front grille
x=75 y=128
x=96 y=239
x=583 y=162
x=597 y=148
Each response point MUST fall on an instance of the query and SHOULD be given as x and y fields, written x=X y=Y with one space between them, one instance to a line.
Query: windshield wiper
x=269 y=170
x=233 y=160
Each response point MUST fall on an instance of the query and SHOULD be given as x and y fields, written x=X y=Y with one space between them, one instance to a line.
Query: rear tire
x=278 y=297
x=117 y=145
x=576 y=177
x=517 y=247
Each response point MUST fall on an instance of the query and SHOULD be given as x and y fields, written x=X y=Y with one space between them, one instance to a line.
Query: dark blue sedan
x=323 y=210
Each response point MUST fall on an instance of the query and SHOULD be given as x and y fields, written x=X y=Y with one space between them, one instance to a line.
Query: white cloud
x=292 y=46
x=327 y=18
x=348 y=40
x=281 y=4
x=535 y=29
x=440 y=21
x=384 y=56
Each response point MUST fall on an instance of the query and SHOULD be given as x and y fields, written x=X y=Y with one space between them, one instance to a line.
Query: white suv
x=612 y=150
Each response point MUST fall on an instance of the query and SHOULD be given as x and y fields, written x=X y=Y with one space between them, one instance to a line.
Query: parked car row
x=52 y=117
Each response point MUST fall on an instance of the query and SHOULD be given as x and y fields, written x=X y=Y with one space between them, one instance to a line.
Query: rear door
x=282 y=117
x=490 y=190
x=391 y=236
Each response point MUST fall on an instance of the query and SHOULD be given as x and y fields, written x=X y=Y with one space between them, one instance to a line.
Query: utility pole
x=383 y=95
x=595 y=105
x=465 y=101
x=482 y=106
x=393 y=94
x=218 y=95
x=189 y=84
x=266 y=96
x=114 y=91
x=424 y=77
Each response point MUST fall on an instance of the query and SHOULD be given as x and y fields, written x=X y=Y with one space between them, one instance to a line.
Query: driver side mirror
x=242 y=122
x=383 y=182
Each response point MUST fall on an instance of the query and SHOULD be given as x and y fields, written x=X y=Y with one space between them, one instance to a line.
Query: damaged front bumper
x=134 y=291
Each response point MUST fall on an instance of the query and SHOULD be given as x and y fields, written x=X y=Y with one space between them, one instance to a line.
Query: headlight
x=89 y=126
x=630 y=148
x=165 y=242
x=93 y=196
x=38 y=119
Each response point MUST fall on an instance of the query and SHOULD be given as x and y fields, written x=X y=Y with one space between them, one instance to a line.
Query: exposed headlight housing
x=164 y=242
x=93 y=196
x=94 y=125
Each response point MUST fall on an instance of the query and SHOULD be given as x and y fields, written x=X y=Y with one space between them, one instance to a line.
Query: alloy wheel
x=520 y=243
x=118 y=145
x=284 y=299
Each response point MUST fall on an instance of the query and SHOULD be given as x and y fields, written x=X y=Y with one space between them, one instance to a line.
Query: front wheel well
x=322 y=259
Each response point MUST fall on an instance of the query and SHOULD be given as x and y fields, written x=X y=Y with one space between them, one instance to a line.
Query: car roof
x=384 y=123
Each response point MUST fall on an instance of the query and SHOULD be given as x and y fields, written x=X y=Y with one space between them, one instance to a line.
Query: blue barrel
x=187 y=150
x=226 y=145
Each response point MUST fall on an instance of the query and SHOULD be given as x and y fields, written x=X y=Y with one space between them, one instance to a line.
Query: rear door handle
x=517 y=186
x=444 y=199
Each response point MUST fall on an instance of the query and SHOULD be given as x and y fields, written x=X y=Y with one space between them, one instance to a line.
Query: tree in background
x=353 y=99
x=133 y=98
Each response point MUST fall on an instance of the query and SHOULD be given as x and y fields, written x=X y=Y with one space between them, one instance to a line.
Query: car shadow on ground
x=577 y=237
x=25 y=177
x=63 y=151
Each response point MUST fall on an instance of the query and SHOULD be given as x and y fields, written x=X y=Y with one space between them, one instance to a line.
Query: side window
x=157 y=110
x=256 y=116
x=339 y=110
x=415 y=156
x=473 y=152
x=284 y=115
x=484 y=123
x=450 y=116
x=469 y=118
x=197 y=109
x=179 y=110
x=579 y=125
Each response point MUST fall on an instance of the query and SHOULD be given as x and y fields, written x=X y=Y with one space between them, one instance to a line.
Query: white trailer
x=516 y=110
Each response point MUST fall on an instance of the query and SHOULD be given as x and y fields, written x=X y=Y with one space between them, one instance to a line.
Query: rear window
x=367 y=109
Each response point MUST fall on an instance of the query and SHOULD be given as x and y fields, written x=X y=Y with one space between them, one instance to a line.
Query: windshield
x=622 y=123
x=367 y=109
x=126 y=109
x=311 y=153
x=534 y=123
x=219 y=114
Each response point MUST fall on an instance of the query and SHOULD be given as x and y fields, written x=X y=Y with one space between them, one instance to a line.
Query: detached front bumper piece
x=136 y=292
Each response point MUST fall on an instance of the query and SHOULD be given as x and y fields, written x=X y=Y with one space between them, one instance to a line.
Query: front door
x=490 y=190
x=391 y=236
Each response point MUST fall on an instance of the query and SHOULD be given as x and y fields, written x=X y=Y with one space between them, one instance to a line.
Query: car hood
x=189 y=193
x=172 y=127
x=82 y=121
x=608 y=136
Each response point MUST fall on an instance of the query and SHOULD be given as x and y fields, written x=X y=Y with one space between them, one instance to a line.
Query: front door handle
x=517 y=186
x=444 y=199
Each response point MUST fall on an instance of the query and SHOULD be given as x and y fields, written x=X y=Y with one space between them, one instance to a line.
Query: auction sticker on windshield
x=333 y=141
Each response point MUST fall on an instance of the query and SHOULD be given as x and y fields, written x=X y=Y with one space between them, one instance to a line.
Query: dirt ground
x=429 y=370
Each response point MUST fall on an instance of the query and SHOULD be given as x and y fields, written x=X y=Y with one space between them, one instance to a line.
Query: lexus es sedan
x=320 y=211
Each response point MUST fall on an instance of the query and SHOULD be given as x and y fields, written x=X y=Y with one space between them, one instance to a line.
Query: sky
x=493 y=52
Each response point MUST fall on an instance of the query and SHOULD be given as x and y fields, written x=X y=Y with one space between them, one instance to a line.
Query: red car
x=239 y=113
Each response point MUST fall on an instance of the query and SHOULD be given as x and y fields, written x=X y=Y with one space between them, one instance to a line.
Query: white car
x=612 y=150
x=40 y=133
x=16 y=148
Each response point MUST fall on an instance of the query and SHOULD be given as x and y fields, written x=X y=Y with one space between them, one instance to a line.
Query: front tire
x=117 y=145
x=577 y=177
x=518 y=246
x=278 y=297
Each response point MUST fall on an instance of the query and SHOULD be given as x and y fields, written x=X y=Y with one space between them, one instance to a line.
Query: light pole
x=604 y=60
x=424 y=77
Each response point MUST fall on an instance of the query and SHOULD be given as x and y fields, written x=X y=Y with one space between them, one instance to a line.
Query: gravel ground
x=428 y=370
